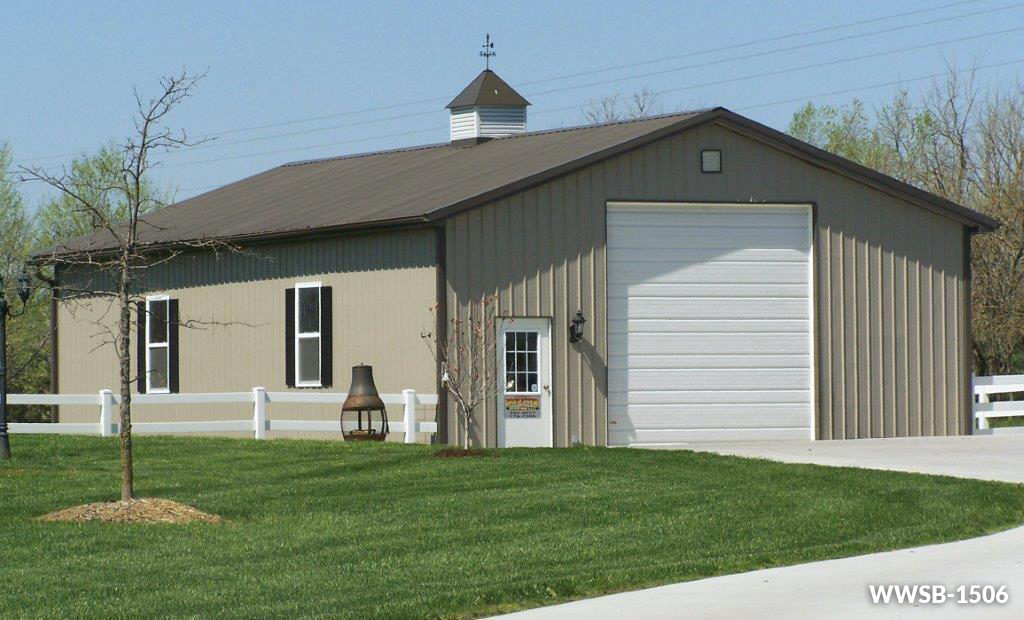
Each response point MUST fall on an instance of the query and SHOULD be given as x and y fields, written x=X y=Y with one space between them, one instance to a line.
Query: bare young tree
x=613 y=108
x=467 y=359
x=116 y=258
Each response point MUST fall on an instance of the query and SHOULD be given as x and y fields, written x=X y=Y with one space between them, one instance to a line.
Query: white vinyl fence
x=984 y=409
x=260 y=422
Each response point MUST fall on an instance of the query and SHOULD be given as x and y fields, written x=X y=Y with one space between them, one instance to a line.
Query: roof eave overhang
x=977 y=222
x=248 y=239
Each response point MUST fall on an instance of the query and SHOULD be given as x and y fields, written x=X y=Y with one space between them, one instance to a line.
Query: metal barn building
x=736 y=284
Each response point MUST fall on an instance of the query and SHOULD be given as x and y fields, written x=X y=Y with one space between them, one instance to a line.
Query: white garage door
x=709 y=323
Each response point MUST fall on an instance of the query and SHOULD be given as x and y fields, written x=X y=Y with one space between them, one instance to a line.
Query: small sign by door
x=522 y=406
x=524 y=396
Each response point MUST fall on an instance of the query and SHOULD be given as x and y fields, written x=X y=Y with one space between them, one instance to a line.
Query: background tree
x=29 y=335
x=111 y=195
x=95 y=178
x=966 y=146
x=613 y=108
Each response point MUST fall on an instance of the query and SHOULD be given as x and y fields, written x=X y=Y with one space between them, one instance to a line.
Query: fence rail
x=258 y=424
x=984 y=409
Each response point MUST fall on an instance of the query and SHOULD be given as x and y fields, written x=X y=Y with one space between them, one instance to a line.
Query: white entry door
x=709 y=323
x=524 y=390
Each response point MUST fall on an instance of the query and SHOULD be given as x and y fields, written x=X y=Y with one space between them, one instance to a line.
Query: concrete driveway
x=986 y=457
x=839 y=588
x=830 y=589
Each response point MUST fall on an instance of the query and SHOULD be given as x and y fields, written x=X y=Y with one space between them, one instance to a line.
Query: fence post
x=259 y=412
x=980 y=420
x=410 y=415
x=106 y=412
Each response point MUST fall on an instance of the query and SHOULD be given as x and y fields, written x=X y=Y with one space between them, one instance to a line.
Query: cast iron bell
x=362 y=401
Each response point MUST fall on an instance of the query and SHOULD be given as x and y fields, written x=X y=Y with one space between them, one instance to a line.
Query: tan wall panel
x=889 y=286
x=383 y=286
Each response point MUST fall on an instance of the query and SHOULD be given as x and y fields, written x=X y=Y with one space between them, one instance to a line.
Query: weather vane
x=488 y=51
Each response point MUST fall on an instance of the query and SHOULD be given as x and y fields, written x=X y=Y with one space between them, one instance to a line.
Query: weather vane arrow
x=488 y=51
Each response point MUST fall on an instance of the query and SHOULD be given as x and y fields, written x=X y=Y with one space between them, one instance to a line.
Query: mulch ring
x=149 y=510
x=454 y=453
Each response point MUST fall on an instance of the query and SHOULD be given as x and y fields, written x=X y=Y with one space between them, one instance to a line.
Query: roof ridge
x=539 y=132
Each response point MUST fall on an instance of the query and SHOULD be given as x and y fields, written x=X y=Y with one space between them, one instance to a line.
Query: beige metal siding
x=890 y=285
x=383 y=286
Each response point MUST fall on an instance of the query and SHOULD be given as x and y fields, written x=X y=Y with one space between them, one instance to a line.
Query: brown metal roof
x=426 y=183
x=488 y=89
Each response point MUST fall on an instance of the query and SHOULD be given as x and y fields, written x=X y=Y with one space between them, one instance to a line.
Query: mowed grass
x=333 y=529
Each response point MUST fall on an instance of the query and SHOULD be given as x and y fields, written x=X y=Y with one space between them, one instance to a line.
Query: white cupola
x=487 y=108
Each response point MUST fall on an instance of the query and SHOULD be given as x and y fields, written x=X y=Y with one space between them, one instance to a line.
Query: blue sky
x=69 y=67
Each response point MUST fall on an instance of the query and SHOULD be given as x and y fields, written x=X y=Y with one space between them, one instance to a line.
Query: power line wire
x=591 y=72
x=804 y=97
x=746 y=107
x=665 y=71
x=661 y=92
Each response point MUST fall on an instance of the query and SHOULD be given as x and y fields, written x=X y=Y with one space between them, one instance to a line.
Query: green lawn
x=1006 y=422
x=327 y=528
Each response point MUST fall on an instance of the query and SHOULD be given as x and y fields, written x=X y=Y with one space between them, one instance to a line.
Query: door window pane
x=157 y=321
x=309 y=310
x=158 y=367
x=521 y=361
x=309 y=360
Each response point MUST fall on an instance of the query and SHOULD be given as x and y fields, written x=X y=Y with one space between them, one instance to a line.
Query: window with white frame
x=521 y=362
x=307 y=334
x=158 y=350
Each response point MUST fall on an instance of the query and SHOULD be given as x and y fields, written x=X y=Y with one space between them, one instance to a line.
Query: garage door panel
x=696 y=237
x=640 y=380
x=709 y=326
x=700 y=435
x=710 y=308
x=737 y=361
x=654 y=254
x=617 y=328
x=661 y=417
x=707 y=397
x=619 y=291
x=713 y=216
x=712 y=343
x=737 y=272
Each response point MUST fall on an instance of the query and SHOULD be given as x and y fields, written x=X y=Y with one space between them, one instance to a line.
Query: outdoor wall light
x=576 y=327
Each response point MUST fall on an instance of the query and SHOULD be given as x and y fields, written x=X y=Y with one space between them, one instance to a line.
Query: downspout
x=441 y=299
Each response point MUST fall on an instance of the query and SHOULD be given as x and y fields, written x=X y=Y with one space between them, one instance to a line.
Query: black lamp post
x=24 y=290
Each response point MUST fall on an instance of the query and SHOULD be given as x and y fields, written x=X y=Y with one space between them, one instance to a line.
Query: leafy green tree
x=96 y=179
x=29 y=334
x=967 y=147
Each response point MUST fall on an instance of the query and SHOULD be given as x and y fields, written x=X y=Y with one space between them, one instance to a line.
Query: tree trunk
x=124 y=329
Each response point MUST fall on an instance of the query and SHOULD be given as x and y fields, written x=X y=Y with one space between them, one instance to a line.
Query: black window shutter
x=172 y=345
x=289 y=337
x=326 y=338
x=140 y=347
